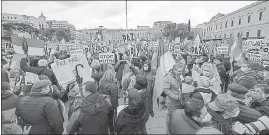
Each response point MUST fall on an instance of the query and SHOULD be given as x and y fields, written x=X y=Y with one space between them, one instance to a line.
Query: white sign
x=107 y=58
x=254 y=57
x=65 y=70
x=222 y=50
x=75 y=50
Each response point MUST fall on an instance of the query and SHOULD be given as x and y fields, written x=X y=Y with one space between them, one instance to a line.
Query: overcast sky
x=111 y=14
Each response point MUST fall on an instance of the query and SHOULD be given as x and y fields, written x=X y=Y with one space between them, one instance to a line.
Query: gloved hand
x=239 y=128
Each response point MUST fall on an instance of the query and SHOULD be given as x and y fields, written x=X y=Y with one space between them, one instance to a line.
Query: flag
x=165 y=62
x=236 y=52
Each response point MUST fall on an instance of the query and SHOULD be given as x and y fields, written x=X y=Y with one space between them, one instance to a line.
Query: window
x=7 y=17
x=216 y=26
x=247 y=34
x=231 y=35
x=224 y=35
x=220 y=26
x=259 y=33
x=260 y=16
x=15 y=17
x=232 y=23
x=215 y=36
x=249 y=18
x=219 y=36
x=239 y=21
x=238 y=34
x=3 y=17
x=226 y=24
x=10 y=17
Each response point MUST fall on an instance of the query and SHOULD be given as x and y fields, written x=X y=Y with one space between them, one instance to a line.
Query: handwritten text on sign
x=254 y=57
x=65 y=71
x=107 y=58
x=222 y=50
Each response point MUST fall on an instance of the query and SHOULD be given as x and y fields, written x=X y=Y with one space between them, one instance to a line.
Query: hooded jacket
x=91 y=117
x=130 y=120
x=111 y=89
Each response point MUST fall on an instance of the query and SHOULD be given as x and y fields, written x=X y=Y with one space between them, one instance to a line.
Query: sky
x=111 y=14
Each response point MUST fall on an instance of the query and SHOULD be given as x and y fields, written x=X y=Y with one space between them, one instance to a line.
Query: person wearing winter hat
x=222 y=109
x=46 y=118
x=131 y=119
x=238 y=92
x=92 y=116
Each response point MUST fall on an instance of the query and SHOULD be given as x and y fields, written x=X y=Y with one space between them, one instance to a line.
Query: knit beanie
x=247 y=81
x=91 y=86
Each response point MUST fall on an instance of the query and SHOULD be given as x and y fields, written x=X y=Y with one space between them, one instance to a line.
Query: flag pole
x=126 y=17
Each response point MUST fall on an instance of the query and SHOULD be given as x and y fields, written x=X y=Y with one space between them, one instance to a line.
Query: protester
x=92 y=116
x=148 y=74
x=131 y=120
x=9 y=103
x=40 y=70
x=97 y=73
x=108 y=86
x=40 y=111
x=223 y=109
x=190 y=119
x=171 y=86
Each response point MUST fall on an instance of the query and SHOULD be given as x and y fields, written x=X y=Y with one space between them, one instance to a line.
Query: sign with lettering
x=65 y=70
x=254 y=57
x=222 y=50
x=106 y=58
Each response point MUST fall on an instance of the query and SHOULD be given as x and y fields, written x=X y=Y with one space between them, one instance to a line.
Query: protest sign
x=251 y=44
x=75 y=50
x=222 y=50
x=254 y=57
x=65 y=70
x=106 y=58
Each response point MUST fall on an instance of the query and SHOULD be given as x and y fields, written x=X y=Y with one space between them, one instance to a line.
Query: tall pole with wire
x=126 y=21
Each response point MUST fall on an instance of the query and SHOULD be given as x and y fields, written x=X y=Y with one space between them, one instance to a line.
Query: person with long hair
x=108 y=86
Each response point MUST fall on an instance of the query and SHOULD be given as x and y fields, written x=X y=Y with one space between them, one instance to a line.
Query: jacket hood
x=97 y=76
x=95 y=103
x=135 y=114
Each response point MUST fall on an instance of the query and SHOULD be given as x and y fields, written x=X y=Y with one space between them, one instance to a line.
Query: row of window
x=238 y=34
x=219 y=26
x=9 y=17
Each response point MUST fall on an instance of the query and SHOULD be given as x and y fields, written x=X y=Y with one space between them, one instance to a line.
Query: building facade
x=112 y=35
x=142 y=27
x=159 y=25
x=39 y=23
x=251 y=21
x=53 y=24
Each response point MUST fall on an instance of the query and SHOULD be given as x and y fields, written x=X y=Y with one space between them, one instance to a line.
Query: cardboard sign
x=106 y=58
x=65 y=70
x=222 y=50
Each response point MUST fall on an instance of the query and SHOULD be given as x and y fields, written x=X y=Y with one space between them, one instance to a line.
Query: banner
x=106 y=58
x=251 y=44
x=177 y=40
x=222 y=50
x=65 y=70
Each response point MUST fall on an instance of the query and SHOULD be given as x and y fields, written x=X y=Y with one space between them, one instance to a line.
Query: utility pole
x=126 y=19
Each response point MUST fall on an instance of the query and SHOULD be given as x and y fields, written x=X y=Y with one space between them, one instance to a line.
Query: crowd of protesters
x=220 y=99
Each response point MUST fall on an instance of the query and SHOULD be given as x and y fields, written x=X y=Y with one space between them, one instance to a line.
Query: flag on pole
x=165 y=62
x=236 y=50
